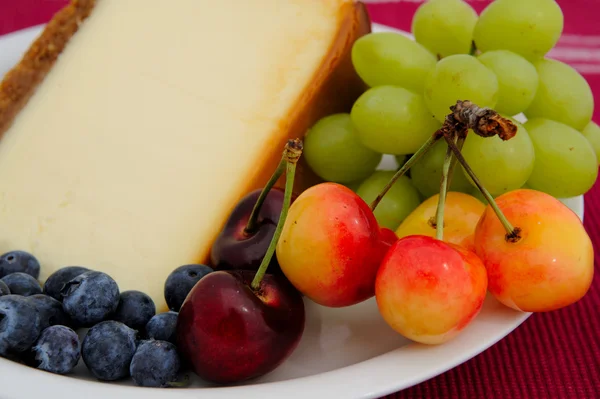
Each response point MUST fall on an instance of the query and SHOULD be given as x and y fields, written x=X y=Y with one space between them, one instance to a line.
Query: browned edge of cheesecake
x=21 y=81
x=334 y=89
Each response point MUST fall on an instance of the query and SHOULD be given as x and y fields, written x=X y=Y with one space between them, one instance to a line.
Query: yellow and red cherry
x=461 y=214
x=429 y=290
x=547 y=265
x=331 y=246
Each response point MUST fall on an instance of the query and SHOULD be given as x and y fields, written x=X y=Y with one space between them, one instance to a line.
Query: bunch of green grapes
x=498 y=59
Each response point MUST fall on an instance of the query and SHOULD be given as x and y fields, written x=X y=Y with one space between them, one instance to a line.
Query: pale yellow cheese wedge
x=155 y=119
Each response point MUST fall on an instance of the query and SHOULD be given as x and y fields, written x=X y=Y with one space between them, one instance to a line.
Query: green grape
x=401 y=159
x=459 y=77
x=592 y=134
x=500 y=165
x=397 y=203
x=426 y=173
x=392 y=120
x=445 y=27
x=565 y=162
x=333 y=151
x=517 y=80
x=388 y=58
x=527 y=27
x=477 y=194
x=563 y=95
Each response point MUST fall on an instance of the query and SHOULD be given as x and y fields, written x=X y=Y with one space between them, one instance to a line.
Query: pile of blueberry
x=125 y=337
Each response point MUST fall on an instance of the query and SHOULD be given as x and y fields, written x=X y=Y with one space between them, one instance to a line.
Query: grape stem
x=439 y=219
x=512 y=233
x=252 y=225
x=407 y=165
x=291 y=155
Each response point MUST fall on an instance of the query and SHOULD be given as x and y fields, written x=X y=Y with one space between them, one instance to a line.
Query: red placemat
x=552 y=355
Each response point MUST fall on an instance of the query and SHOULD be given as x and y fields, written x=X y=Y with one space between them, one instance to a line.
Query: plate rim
x=376 y=375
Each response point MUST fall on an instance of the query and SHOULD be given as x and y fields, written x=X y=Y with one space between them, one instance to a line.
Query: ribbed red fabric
x=552 y=355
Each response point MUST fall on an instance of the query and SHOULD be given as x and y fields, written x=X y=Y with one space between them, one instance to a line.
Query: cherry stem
x=252 y=225
x=439 y=214
x=291 y=155
x=512 y=233
x=407 y=165
x=459 y=143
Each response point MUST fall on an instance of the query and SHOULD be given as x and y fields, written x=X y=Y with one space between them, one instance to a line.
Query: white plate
x=344 y=353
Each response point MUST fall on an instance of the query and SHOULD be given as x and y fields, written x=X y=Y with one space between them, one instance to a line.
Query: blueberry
x=107 y=350
x=155 y=364
x=50 y=310
x=181 y=281
x=19 y=324
x=162 y=327
x=57 y=280
x=90 y=298
x=56 y=350
x=135 y=309
x=4 y=290
x=22 y=284
x=19 y=262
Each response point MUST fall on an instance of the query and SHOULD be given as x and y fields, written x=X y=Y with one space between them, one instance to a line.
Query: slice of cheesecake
x=131 y=128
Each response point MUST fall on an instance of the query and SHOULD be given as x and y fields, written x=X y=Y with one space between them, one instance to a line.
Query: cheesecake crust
x=21 y=81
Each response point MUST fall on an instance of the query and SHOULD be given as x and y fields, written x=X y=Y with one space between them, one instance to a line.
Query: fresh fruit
x=459 y=77
x=388 y=58
x=22 y=284
x=155 y=364
x=57 y=280
x=392 y=120
x=426 y=173
x=334 y=152
x=517 y=80
x=4 y=290
x=135 y=309
x=461 y=214
x=330 y=246
x=180 y=282
x=565 y=162
x=445 y=27
x=501 y=165
x=429 y=290
x=401 y=159
x=242 y=244
x=388 y=237
x=162 y=327
x=398 y=202
x=241 y=324
x=592 y=133
x=563 y=95
x=50 y=311
x=529 y=28
x=229 y=332
x=19 y=262
x=57 y=350
x=90 y=298
x=549 y=265
x=19 y=326
x=107 y=350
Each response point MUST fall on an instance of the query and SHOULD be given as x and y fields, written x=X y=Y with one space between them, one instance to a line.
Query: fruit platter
x=346 y=212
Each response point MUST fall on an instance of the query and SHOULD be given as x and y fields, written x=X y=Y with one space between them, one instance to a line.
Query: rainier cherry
x=548 y=264
x=429 y=290
x=331 y=246
x=461 y=214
